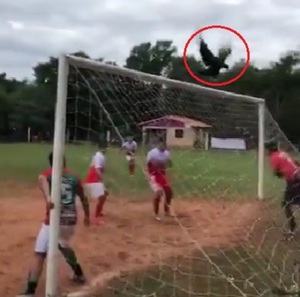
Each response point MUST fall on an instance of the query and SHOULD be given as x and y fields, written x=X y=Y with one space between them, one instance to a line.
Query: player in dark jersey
x=71 y=187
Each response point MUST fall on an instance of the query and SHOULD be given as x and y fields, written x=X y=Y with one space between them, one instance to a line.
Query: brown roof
x=186 y=121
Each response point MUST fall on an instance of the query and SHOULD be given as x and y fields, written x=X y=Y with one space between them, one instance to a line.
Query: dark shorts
x=292 y=192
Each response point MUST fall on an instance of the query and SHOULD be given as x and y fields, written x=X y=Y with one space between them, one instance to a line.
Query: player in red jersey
x=158 y=159
x=130 y=147
x=94 y=184
x=284 y=166
x=71 y=187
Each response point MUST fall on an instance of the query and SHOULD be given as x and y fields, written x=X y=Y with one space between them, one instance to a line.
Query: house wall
x=187 y=140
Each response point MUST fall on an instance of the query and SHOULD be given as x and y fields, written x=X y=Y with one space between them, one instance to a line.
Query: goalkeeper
x=284 y=166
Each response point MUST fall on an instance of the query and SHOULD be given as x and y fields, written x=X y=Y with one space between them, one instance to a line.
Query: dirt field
x=129 y=240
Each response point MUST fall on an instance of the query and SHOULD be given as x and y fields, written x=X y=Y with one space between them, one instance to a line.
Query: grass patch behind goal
x=196 y=174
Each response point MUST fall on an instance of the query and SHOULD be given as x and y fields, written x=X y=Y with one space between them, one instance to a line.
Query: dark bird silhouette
x=214 y=64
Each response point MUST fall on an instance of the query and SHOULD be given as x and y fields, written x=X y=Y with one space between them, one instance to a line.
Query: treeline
x=99 y=101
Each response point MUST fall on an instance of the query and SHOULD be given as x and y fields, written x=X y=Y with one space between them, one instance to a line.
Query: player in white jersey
x=94 y=183
x=158 y=159
x=130 y=147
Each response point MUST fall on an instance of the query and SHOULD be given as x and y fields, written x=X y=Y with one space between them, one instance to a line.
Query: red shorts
x=158 y=182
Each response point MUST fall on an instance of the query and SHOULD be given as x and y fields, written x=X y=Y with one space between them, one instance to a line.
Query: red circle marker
x=208 y=83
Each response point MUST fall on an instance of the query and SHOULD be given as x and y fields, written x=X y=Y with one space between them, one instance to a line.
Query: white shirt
x=98 y=160
x=130 y=145
x=157 y=156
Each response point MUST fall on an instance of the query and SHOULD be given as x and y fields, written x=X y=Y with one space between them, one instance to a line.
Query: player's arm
x=45 y=188
x=150 y=157
x=123 y=146
x=169 y=160
x=297 y=163
x=275 y=167
x=84 y=202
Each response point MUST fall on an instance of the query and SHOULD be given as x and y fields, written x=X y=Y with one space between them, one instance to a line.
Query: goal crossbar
x=117 y=70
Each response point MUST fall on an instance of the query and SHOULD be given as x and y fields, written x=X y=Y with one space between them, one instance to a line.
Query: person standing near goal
x=94 y=183
x=71 y=187
x=158 y=159
x=284 y=166
x=130 y=147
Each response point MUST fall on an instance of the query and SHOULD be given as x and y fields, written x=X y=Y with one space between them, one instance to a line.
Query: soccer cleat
x=25 y=295
x=157 y=218
x=78 y=279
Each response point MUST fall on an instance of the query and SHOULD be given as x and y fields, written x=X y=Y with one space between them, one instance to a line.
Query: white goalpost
x=113 y=90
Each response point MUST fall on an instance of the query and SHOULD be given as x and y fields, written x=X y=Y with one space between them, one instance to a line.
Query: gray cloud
x=31 y=30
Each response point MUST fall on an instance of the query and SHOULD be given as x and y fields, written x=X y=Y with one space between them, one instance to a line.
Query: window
x=179 y=133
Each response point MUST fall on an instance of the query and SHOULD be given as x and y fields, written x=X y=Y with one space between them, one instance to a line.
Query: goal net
x=223 y=241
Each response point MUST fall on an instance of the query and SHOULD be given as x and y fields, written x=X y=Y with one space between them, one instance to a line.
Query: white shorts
x=42 y=240
x=129 y=158
x=95 y=190
x=155 y=187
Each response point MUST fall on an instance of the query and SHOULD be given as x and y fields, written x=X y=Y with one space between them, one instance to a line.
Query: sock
x=99 y=207
x=131 y=169
x=31 y=285
x=156 y=202
x=168 y=199
x=71 y=259
x=290 y=216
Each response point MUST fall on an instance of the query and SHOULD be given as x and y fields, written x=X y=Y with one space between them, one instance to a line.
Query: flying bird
x=214 y=64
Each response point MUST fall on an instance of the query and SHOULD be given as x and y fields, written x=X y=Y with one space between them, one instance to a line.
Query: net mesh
x=222 y=242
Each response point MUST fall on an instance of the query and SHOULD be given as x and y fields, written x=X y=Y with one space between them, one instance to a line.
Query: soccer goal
x=217 y=141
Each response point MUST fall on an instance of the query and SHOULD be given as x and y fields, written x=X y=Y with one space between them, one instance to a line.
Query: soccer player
x=130 y=147
x=284 y=166
x=70 y=187
x=158 y=159
x=94 y=184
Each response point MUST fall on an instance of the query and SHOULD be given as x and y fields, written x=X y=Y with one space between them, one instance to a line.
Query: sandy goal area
x=130 y=239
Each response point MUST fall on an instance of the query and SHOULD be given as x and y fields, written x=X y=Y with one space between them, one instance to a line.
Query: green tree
x=150 y=58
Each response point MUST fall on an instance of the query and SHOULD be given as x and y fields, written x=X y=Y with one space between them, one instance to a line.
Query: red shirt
x=281 y=162
x=97 y=163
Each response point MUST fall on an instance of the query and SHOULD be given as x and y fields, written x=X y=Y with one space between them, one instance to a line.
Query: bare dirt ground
x=129 y=240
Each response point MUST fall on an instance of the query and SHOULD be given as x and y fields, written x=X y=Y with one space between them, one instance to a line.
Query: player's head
x=130 y=138
x=50 y=159
x=161 y=145
x=271 y=146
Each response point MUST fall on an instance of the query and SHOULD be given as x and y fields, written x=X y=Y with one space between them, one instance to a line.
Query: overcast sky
x=31 y=30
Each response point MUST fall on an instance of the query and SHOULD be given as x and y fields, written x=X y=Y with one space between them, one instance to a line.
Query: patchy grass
x=211 y=174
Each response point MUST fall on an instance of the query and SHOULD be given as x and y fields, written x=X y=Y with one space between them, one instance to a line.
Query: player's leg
x=158 y=193
x=289 y=200
x=168 y=199
x=36 y=270
x=97 y=191
x=66 y=233
x=101 y=193
x=131 y=164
